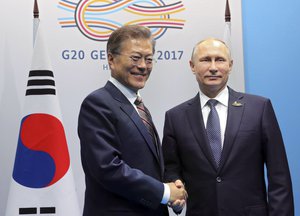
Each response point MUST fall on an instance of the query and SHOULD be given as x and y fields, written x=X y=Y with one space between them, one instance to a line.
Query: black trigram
x=34 y=211
x=41 y=82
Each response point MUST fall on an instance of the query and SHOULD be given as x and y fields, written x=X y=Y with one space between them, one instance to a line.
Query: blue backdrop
x=271 y=33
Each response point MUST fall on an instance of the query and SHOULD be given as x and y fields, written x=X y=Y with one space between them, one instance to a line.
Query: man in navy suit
x=229 y=179
x=122 y=160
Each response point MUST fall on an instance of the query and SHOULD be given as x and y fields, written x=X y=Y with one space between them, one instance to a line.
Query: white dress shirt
x=221 y=107
x=127 y=92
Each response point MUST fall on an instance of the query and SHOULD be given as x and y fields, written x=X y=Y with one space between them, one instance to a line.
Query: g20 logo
x=97 y=19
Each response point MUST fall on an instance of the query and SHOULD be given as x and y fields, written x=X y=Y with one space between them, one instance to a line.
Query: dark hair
x=124 y=33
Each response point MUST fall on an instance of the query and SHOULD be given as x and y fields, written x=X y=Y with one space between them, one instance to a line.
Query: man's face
x=132 y=66
x=211 y=63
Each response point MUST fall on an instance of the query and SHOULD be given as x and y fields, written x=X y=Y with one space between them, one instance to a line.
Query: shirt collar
x=222 y=97
x=129 y=94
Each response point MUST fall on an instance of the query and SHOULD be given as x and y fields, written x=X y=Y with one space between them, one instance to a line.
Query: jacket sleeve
x=280 y=195
x=170 y=152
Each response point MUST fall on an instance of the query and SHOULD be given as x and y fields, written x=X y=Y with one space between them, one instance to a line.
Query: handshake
x=178 y=196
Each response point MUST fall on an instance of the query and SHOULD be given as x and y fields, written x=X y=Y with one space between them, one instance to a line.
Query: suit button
x=219 y=180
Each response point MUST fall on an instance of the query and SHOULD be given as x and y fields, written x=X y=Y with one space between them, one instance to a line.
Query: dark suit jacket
x=237 y=188
x=122 y=168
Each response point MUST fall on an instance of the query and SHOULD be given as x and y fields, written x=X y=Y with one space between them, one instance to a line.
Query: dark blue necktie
x=213 y=131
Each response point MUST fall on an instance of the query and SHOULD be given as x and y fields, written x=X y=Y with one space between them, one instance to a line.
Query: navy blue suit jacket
x=123 y=171
x=237 y=187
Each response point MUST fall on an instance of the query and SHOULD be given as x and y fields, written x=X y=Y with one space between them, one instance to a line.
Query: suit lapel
x=127 y=107
x=134 y=116
x=236 y=107
x=195 y=118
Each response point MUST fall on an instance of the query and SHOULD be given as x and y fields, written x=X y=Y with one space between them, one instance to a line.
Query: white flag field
x=42 y=181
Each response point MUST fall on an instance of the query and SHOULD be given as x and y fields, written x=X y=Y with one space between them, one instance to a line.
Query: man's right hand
x=177 y=192
x=178 y=196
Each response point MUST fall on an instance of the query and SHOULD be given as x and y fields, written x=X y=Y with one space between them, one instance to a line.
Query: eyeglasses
x=137 y=60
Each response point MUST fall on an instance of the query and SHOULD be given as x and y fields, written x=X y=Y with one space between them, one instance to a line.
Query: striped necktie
x=147 y=119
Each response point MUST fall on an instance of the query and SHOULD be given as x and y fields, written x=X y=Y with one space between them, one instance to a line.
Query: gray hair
x=213 y=39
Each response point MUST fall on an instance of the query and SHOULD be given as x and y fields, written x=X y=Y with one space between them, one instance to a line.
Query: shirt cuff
x=166 y=195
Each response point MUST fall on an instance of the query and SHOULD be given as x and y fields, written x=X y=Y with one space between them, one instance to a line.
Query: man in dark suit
x=219 y=151
x=120 y=149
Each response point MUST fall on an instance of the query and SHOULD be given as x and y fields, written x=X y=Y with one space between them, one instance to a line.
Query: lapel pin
x=237 y=104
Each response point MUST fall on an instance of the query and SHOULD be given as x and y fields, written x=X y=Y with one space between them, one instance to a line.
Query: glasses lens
x=137 y=60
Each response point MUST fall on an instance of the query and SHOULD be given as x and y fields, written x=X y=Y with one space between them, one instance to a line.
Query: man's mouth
x=138 y=74
x=213 y=77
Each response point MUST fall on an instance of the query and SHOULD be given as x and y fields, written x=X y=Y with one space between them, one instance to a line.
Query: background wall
x=271 y=34
x=80 y=73
x=271 y=43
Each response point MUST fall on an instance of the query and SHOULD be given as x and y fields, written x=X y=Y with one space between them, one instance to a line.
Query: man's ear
x=192 y=66
x=230 y=64
x=110 y=59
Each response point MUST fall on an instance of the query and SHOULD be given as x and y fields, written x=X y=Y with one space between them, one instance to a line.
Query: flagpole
x=227 y=30
x=227 y=12
x=36 y=19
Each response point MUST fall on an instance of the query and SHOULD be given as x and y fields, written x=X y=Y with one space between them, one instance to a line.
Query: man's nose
x=213 y=68
x=142 y=63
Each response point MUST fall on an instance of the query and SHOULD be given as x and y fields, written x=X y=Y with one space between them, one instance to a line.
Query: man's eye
x=149 y=60
x=136 y=58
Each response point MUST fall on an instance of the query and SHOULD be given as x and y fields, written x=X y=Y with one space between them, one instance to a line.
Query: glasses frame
x=137 y=59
